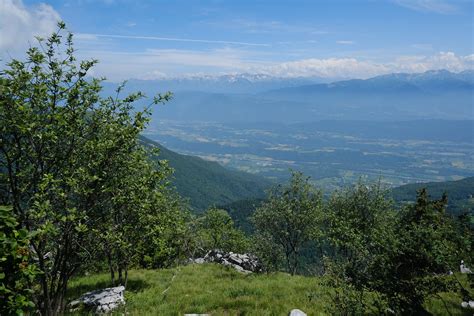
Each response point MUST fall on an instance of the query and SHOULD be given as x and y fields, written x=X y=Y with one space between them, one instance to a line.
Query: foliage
x=290 y=218
x=241 y=212
x=460 y=194
x=216 y=230
x=417 y=267
x=17 y=269
x=75 y=171
x=359 y=228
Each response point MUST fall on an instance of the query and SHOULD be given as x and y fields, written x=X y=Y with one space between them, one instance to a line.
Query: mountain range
x=430 y=95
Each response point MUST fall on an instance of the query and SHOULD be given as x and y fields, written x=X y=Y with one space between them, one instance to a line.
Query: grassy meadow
x=219 y=290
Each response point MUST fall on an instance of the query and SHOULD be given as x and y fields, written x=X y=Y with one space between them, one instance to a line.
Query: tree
x=216 y=230
x=418 y=265
x=290 y=218
x=359 y=225
x=360 y=231
x=67 y=157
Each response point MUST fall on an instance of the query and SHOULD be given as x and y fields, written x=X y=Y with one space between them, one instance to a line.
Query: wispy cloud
x=422 y=46
x=437 y=6
x=262 y=26
x=345 y=42
x=173 y=39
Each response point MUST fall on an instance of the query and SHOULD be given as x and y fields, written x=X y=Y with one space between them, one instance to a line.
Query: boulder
x=100 y=301
x=297 y=312
x=245 y=263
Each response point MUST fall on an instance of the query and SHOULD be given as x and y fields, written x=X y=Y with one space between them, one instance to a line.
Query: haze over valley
x=400 y=128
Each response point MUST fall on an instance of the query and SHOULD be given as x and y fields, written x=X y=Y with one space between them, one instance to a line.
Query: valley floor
x=219 y=290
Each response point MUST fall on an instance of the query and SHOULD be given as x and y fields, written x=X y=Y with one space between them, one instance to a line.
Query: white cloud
x=20 y=24
x=158 y=63
x=437 y=6
x=329 y=67
x=443 y=60
x=354 y=68
x=162 y=63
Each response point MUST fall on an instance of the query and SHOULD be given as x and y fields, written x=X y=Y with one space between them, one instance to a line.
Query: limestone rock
x=297 y=312
x=100 y=301
x=245 y=263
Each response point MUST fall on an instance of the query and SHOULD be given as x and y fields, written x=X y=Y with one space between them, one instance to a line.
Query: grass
x=219 y=290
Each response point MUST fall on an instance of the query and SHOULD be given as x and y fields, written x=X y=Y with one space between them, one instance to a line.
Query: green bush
x=17 y=269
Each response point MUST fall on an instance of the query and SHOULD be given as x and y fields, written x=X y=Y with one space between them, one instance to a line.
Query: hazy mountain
x=431 y=95
x=238 y=83
x=430 y=81
x=207 y=183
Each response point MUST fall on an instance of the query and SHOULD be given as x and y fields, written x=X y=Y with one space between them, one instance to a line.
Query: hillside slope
x=460 y=193
x=207 y=183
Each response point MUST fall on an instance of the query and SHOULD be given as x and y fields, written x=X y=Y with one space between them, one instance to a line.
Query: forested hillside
x=206 y=183
x=460 y=193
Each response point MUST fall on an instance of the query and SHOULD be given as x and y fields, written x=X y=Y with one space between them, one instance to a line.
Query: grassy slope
x=219 y=290
x=207 y=183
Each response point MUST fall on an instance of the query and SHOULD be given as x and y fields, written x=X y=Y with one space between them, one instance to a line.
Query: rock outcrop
x=99 y=301
x=245 y=263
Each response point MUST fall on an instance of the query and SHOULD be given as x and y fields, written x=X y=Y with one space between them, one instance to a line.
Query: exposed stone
x=463 y=268
x=469 y=304
x=100 y=301
x=297 y=312
x=245 y=263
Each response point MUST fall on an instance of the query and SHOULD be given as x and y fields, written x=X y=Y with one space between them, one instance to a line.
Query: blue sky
x=153 y=39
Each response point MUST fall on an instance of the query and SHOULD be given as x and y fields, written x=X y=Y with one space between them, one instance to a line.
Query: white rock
x=100 y=301
x=463 y=268
x=297 y=312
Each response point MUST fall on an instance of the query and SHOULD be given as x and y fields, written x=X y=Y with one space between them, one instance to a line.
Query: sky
x=326 y=38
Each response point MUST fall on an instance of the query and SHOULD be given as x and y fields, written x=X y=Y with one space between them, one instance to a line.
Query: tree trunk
x=120 y=276
x=111 y=268
x=126 y=277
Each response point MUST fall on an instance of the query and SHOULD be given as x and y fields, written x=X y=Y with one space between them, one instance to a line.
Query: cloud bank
x=19 y=24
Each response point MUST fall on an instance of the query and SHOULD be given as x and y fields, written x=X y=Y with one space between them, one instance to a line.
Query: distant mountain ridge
x=426 y=81
x=394 y=97
x=236 y=83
